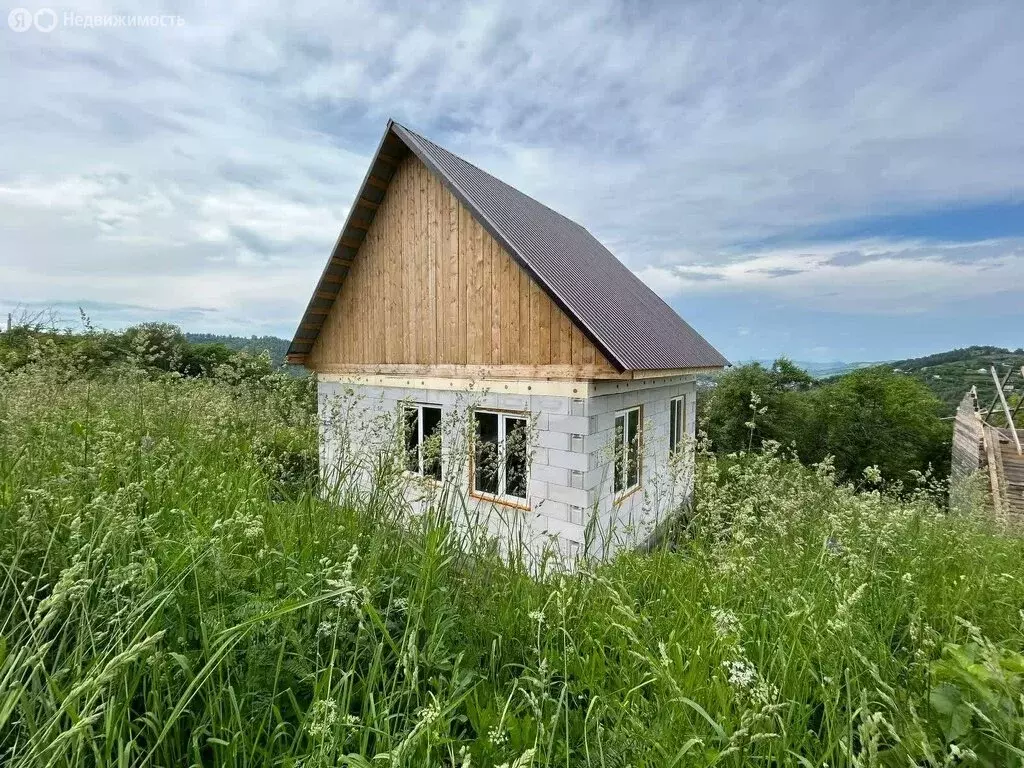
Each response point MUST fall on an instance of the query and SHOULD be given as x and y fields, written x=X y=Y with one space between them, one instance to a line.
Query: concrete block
x=514 y=402
x=557 y=440
x=599 y=480
x=602 y=422
x=443 y=398
x=575 y=478
x=546 y=474
x=606 y=404
x=550 y=405
x=600 y=443
x=538 y=489
x=562 y=527
x=553 y=509
x=577 y=406
x=568 y=460
x=572 y=496
x=569 y=424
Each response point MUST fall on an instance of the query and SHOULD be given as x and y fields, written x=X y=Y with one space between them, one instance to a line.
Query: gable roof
x=631 y=325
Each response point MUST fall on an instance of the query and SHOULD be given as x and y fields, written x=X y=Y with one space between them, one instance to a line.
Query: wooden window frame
x=515 y=502
x=418 y=407
x=626 y=491
x=677 y=441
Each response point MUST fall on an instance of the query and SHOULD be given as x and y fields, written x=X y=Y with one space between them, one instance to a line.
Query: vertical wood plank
x=541 y=313
x=480 y=297
x=493 y=251
x=589 y=352
x=436 y=282
x=422 y=289
x=577 y=345
x=460 y=300
x=565 y=338
x=524 y=342
x=509 y=320
x=398 y=264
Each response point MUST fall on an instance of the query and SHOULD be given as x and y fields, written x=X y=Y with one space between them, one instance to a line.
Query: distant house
x=457 y=311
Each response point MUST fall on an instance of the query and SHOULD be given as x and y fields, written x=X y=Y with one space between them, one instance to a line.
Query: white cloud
x=212 y=164
x=876 y=277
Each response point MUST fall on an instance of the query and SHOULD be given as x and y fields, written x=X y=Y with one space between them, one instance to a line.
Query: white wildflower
x=742 y=674
x=429 y=714
x=322 y=716
x=726 y=622
x=663 y=653
x=872 y=475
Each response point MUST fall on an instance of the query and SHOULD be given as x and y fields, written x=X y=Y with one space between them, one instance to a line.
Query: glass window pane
x=619 y=448
x=515 y=457
x=632 y=448
x=673 y=438
x=485 y=460
x=411 y=436
x=432 y=442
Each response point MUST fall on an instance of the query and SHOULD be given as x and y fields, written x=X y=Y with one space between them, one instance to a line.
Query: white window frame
x=418 y=407
x=677 y=439
x=625 y=414
x=501 y=496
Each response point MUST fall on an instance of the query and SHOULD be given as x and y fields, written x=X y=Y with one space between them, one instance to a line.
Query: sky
x=824 y=180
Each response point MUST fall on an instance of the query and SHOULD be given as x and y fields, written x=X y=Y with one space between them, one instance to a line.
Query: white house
x=457 y=313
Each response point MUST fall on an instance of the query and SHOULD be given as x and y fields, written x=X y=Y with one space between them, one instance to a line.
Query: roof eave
x=350 y=237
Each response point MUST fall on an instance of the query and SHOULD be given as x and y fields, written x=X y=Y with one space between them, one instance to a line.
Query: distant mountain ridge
x=819 y=370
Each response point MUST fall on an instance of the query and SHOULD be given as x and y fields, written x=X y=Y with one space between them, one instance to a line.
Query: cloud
x=212 y=164
x=870 y=277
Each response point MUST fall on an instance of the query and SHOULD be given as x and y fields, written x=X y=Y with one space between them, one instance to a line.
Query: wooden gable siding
x=430 y=288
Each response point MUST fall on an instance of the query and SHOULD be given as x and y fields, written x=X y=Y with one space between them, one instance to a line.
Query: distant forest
x=277 y=348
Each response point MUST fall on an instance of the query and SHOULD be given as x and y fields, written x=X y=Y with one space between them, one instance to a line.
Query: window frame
x=519 y=502
x=628 y=490
x=419 y=472
x=676 y=442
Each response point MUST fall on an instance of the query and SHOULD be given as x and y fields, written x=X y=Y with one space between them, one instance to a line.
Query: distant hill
x=255 y=344
x=951 y=374
x=816 y=369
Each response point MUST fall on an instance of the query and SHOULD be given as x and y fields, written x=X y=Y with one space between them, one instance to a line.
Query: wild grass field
x=175 y=593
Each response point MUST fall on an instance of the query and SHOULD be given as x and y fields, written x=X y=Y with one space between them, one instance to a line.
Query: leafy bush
x=868 y=418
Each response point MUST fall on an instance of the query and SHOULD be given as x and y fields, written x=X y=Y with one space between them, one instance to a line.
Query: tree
x=778 y=413
x=874 y=417
x=870 y=417
x=204 y=359
x=154 y=345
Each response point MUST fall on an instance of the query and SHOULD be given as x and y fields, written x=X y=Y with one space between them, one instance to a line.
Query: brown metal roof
x=631 y=325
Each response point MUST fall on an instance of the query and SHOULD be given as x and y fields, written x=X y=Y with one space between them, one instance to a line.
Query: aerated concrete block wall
x=571 y=504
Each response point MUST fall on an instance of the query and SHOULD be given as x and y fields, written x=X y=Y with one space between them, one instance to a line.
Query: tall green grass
x=175 y=592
